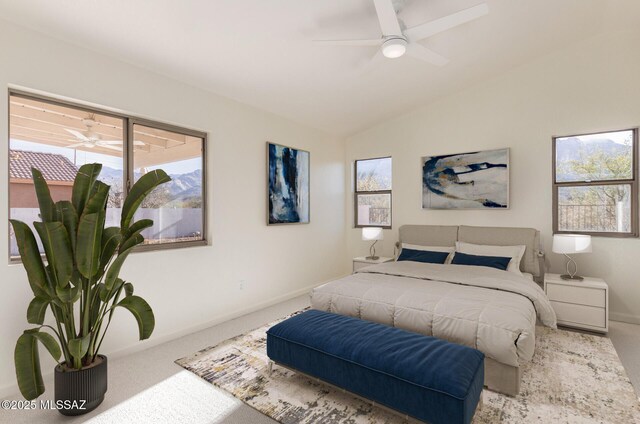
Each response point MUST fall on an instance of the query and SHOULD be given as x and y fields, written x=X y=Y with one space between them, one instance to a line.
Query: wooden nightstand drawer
x=569 y=313
x=578 y=295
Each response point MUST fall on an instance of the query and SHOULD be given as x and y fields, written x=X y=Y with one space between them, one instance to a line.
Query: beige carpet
x=573 y=378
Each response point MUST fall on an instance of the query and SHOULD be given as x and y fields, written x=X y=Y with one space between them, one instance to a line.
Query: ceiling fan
x=91 y=139
x=397 y=40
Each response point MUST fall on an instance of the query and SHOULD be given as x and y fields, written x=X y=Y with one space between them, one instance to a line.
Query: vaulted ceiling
x=261 y=52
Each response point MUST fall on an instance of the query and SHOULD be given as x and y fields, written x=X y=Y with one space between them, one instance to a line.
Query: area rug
x=573 y=378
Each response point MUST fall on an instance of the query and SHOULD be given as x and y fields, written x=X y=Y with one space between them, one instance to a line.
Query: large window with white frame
x=595 y=184
x=58 y=137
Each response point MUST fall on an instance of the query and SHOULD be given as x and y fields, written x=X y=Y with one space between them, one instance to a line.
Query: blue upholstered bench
x=423 y=377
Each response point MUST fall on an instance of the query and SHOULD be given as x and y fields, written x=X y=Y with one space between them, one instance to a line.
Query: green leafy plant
x=79 y=281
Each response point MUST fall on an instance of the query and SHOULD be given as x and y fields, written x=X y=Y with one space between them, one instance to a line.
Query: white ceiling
x=260 y=52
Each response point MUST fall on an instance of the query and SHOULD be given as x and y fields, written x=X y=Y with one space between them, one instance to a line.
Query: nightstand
x=579 y=304
x=362 y=262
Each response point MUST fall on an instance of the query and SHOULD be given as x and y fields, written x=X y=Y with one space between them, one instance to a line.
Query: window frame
x=633 y=182
x=356 y=193
x=127 y=158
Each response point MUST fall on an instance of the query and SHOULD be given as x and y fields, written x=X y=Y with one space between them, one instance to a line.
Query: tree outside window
x=373 y=192
x=595 y=183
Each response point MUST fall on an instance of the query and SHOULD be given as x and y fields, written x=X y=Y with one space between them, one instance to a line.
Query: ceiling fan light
x=394 y=47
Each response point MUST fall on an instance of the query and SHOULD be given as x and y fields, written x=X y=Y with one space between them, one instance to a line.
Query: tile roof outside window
x=54 y=167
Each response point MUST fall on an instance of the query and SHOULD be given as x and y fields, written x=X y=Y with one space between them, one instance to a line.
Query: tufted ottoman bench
x=423 y=377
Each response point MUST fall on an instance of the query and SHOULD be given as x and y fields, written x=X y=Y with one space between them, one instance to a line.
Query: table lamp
x=571 y=244
x=375 y=234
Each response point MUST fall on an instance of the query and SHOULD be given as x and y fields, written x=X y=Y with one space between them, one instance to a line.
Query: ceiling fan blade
x=114 y=142
x=77 y=134
x=387 y=17
x=73 y=146
x=371 y=42
x=420 y=52
x=428 y=29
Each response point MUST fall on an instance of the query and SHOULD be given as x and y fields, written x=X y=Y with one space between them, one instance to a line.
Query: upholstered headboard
x=447 y=235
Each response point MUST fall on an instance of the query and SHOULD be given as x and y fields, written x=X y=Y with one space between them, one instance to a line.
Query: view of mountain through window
x=594 y=183
x=58 y=138
x=174 y=207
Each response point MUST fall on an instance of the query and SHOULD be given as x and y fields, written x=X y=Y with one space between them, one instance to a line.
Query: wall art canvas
x=475 y=180
x=287 y=184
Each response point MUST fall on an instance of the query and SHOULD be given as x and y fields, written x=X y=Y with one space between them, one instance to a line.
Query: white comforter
x=488 y=309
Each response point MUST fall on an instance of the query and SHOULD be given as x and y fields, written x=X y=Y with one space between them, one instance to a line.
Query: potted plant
x=79 y=284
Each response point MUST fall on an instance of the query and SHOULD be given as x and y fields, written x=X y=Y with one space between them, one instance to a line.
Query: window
x=595 y=185
x=58 y=137
x=176 y=207
x=373 y=193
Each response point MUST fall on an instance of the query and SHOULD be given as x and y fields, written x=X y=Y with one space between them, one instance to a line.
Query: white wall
x=187 y=288
x=592 y=86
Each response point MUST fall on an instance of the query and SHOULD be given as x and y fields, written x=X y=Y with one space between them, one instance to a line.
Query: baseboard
x=12 y=389
x=631 y=319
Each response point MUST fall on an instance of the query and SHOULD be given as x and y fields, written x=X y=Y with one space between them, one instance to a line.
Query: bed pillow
x=425 y=256
x=513 y=252
x=448 y=249
x=498 y=262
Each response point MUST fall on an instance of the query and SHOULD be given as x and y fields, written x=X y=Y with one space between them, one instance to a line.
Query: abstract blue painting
x=474 y=180
x=288 y=185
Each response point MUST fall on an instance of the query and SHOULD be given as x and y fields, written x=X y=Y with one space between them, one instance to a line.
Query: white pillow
x=513 y=252
x=449 y=249
x=429 y=248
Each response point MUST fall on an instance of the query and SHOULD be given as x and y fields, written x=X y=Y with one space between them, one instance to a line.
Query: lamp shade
x=372 y=233
x=571 y=243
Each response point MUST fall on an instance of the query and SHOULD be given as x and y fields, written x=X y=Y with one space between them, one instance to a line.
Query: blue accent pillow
x=426 y=256
x=497 y=262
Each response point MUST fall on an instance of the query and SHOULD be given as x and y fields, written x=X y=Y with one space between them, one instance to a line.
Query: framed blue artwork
x=475 y=180
x=287 y=185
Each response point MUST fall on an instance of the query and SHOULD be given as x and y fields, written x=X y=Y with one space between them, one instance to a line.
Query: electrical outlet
x=241 y=284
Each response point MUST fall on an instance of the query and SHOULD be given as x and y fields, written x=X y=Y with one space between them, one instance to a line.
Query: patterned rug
x=573 y=378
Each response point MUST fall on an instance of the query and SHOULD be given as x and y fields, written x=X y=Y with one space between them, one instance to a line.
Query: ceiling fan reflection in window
x=90 y=138
x=397 y=40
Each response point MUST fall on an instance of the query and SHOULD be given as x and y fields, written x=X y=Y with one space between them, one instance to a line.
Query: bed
x=492 y=310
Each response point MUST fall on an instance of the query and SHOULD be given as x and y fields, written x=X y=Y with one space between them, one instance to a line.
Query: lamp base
x=373 y=258
x=573 y=278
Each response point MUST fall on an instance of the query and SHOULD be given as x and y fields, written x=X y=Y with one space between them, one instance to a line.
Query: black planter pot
x=80 y=391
